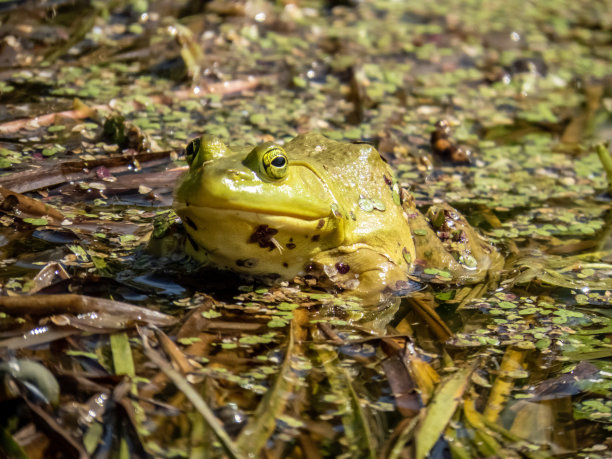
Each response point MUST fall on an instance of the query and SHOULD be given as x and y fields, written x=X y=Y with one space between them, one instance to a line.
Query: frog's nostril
x=235 y=174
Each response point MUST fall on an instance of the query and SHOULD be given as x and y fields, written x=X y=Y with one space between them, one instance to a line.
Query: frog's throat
x=224 y=235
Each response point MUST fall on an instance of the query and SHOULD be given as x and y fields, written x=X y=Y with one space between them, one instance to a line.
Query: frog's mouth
x=207 y=224
x=185 y=209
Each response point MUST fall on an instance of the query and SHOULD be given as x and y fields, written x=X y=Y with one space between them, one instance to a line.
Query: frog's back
x=339 y=162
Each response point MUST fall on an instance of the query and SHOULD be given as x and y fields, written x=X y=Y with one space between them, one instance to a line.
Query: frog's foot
x=363 y=272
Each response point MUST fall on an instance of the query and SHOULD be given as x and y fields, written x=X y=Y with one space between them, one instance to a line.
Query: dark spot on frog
x=388 y=180
x=285 y=265
x=190 y=222
x=263 y=236
x=459 y=236
x=353 y=216
x=342 y=268
x=247 y=262
x=443 y=235
x=320 y=224
x=290 y=245
x=193 y=243
x=406 y=255
x=315 y=238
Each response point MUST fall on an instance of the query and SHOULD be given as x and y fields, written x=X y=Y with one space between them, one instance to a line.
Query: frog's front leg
x=448 y=247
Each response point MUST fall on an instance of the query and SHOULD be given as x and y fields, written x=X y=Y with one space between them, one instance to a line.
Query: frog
x=322 y=208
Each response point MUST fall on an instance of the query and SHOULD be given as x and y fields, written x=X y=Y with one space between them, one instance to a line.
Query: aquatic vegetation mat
x=112 y=342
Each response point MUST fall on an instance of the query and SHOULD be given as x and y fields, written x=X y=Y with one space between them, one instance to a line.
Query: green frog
x=316 y=206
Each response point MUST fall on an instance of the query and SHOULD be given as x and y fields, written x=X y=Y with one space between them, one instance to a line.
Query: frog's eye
x=269 y=160
x=274 y=162
x=205 y=148
x=192 y=150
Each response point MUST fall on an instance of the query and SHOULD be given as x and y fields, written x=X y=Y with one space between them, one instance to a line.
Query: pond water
x=97 y=103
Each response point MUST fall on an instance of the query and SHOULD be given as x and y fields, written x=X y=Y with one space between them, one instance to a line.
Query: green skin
x=317 y=205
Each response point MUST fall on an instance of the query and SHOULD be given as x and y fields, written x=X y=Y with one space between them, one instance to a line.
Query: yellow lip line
x=181 y=205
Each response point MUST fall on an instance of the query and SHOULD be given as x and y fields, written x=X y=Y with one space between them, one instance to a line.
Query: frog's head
x=259 y=211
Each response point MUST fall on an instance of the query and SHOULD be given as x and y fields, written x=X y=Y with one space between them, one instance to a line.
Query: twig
x=23 y=206
x=73 y=170
x=72 y=303
x=232 y=450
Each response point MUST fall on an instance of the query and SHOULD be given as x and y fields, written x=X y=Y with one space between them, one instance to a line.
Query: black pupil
x=279 y=161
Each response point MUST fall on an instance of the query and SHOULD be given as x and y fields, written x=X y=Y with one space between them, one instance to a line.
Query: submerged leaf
x=439 y=412
x=262 y=424
x=356 y=424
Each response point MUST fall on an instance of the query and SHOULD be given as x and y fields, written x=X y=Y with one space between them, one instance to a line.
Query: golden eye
x=269 y=161
x=274 y=162
x=192 y=150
